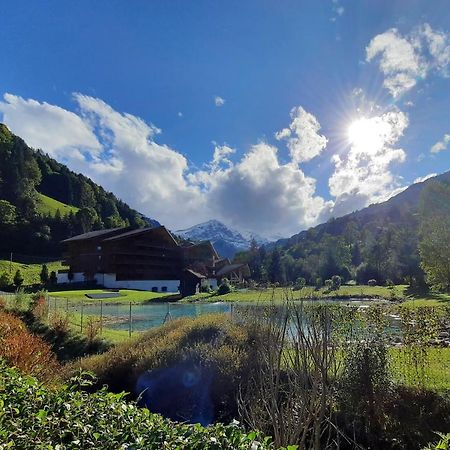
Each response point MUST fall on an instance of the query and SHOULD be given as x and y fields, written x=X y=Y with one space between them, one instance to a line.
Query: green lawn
x=280 y=294
x=126 y=295
x=49 y=206
x=30 y=272
x=428 y=299
x=436 y=370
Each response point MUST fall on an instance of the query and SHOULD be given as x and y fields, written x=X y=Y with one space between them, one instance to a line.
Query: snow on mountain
x=225 y=240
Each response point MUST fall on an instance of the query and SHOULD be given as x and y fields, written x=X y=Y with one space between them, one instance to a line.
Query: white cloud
x=425 y=177
x=120 y=151
x=56 y=130
x=303 y=139
x=363 y=175
x=219 y=101
x=441 y=145
x=404 y=59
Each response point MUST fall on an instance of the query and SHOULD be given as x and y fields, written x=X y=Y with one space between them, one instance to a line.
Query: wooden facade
x=123 y=257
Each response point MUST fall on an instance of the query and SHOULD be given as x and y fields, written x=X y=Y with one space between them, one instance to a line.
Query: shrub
x=336 y=280
x=213 y=353
x=372 y=282
x=5 y=280
x=329 y=284
x=38 y=417
x=53 y=278
x=44 y=274
x=224 y=288
x=18 y=279
x=92 y=330
x=24 y=350
x=300 y=283
x=318 y=282
x=59 y=322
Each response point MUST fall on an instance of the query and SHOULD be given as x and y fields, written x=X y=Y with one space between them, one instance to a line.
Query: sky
x=271 y=116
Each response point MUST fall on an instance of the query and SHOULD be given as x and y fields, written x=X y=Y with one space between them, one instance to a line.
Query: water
x=146 y=316
x=150 y=315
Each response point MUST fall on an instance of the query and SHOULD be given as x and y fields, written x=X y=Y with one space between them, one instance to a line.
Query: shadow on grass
x=418 y=293
x=65 y=344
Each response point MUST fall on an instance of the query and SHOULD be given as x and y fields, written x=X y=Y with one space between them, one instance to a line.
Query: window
x=99 y=248
x=154 y=289
x=164 y=289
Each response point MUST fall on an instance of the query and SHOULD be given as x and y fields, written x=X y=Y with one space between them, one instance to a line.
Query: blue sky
x=208 y=87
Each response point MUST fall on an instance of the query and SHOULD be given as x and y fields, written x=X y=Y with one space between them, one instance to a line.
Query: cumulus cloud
x=219 y=101
x=441 y=145
x=59 y=132
x=404 y=59
x=122 y=152
x=363 y=175
x=303 y=139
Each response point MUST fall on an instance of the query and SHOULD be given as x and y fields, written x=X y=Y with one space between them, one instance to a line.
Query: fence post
x=67 y=305
x=81 y=322
x=101 y=317
x=129 y=323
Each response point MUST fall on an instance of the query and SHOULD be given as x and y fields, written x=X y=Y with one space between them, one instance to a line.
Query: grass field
x=30 y=272
x=126 y=295
x=49 y=206
x=281 y=294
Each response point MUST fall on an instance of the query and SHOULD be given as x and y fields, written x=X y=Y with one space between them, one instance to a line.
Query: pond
x=150 y=315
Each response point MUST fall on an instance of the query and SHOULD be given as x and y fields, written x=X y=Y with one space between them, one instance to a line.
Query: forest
x=26 y=177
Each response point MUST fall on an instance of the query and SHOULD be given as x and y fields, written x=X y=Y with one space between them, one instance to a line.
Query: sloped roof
x=229 y=268
x=94 y=234
x=196 y=274
x=142 y=231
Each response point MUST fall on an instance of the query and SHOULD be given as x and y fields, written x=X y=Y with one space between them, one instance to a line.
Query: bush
x=5 y=280
x=224 y=288
x=38 y=417
x=214 y=354
x=318 y=282
x=300 y=283
x=329 y=284
x=18 y=279
x=24 y=350
x=372 y=282
x=336 y=280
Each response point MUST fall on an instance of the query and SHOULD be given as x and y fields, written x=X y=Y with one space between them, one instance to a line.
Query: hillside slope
x=34 y=187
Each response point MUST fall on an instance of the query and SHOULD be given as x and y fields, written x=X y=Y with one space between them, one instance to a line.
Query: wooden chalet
x=146 y=258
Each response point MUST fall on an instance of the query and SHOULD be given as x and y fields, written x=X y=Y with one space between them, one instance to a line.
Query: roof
x=94 y=234
x=196 y=274
x=202 y=244
x=227 y=269
x=141 y=231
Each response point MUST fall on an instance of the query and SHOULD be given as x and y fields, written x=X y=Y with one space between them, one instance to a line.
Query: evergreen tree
x=18 y=279
x=44 y=274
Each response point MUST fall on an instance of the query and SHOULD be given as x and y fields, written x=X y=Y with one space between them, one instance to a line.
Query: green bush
x=336 y=280
x=33 y=416
x=224 y=288
x=300 y=283
x=221 y=352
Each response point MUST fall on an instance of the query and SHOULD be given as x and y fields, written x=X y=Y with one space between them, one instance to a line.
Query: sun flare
x=368 y=134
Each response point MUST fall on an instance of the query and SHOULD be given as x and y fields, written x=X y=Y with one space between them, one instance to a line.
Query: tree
x=87 y=217
x=5 y=280
x=44 y=274
x=336 y=280
x=434 y=246
x=276 y=269
x=18 y=279
x=8 y=213
x=53 y=278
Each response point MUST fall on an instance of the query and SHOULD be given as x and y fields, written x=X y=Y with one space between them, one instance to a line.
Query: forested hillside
x=380 y=242
x=43 y=202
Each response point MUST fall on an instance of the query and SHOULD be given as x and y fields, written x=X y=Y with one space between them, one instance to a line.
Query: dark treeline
x=379 y=243
x=24 y=173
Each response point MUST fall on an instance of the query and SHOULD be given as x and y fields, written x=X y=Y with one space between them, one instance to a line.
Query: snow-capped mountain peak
x=226 y=240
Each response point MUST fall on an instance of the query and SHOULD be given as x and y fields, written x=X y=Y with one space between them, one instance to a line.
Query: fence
x=130 y=317
x=107 y=315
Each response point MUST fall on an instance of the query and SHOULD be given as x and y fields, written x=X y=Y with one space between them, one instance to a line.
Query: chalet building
x=147 y=259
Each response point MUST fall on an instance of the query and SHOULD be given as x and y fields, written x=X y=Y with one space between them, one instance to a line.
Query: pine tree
x=44 y=274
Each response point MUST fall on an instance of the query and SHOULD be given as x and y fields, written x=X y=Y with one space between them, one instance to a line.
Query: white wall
x=62 y=277
x=108 y=280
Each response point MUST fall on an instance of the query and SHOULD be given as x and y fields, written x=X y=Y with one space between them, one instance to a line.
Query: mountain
x=42 y=201
x=398 y=210
x=226 y=241
x=379 y=242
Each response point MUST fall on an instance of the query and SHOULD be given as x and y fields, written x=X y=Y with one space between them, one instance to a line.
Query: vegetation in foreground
x=337 y=367
x=35 y=416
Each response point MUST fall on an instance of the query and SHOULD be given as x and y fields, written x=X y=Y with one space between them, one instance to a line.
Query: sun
x=368 y=135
